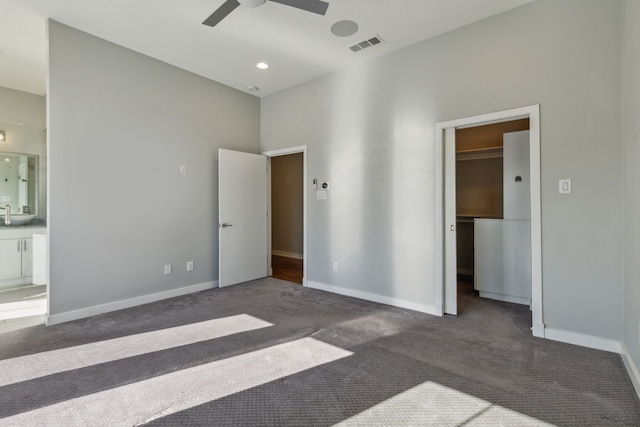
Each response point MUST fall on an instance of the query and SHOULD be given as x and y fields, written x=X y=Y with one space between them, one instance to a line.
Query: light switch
x=183 y=170
x=564 y=186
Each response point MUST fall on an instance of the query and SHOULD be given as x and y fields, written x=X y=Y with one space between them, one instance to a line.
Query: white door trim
x=283 y=152
x=533 y=113
x=450 y=303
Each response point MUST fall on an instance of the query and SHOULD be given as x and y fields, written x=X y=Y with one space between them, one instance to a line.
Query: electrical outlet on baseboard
x=335 y=266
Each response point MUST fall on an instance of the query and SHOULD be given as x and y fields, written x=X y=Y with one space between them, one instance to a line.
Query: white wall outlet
x=564 y=186
x=189 y=265
x=167 y=269
x=183 y=170
x=335 y=266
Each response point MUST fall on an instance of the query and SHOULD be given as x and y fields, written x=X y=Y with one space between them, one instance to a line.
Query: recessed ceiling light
x=262 y=65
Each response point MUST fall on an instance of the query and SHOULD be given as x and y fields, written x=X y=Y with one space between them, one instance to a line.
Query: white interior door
x=242 y=216
x=450 y=255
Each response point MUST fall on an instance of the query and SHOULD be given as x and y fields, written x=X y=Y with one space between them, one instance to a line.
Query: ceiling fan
x=313 y=6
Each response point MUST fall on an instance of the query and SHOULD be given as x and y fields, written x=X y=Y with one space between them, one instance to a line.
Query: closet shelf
x=471 y=216
x=479 y=154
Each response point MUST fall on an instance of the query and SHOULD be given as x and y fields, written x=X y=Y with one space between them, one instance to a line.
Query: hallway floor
x=289 y=269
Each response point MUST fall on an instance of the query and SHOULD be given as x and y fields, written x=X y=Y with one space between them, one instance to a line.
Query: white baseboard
x=538 y=329
x=632 y=369
x=439 y=310
x=368 y=296
x=583 y=340
x=287 y=254
x=132 y=302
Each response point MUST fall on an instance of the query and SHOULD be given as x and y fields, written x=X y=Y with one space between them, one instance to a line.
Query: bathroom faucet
x=7 y=214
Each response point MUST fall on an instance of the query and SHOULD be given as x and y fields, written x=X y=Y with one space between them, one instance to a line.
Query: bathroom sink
x=19 y=219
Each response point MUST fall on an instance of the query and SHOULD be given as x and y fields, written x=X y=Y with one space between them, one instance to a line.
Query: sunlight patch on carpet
x=431 y=404
x=145 y=400
x=37 y=365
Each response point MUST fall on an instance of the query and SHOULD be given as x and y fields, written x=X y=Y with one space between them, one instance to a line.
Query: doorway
x=492 y=213
x=286 y=217
x=446 y=269
x=23 y=239
x=287 y=237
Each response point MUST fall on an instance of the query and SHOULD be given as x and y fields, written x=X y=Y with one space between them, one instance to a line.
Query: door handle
x=224 y=225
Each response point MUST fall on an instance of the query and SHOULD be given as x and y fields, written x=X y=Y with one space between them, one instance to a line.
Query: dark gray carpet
x=485 y=356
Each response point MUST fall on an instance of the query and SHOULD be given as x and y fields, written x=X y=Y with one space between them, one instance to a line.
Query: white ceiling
x=298 y=45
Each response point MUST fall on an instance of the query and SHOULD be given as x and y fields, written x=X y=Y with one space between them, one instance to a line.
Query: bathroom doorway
x=23 y=227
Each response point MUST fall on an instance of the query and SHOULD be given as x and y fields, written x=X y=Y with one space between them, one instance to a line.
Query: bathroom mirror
x=22 y=174
x=19 y=182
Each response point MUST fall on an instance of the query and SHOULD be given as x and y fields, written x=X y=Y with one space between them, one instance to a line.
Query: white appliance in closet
x=502 y=247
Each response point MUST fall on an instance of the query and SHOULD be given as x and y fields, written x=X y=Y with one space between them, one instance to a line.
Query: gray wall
x=22 y=107
x=286 y=203
x=631 y=151
x=370 y=131
x=120 y=125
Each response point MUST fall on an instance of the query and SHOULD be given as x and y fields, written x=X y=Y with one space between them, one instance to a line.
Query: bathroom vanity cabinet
x=17 y=263
x=11 y=256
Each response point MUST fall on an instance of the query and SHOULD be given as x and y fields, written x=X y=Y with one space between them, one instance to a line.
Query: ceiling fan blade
x=314 y=6
x=221 y=13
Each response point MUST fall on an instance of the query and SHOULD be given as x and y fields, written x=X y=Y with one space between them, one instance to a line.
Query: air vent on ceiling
x=366 y=44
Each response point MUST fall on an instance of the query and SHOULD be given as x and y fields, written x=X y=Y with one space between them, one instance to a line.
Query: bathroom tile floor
x=23 y=306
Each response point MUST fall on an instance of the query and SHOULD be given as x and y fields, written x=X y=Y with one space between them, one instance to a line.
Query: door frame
x=284 y=152
x=531 y=112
